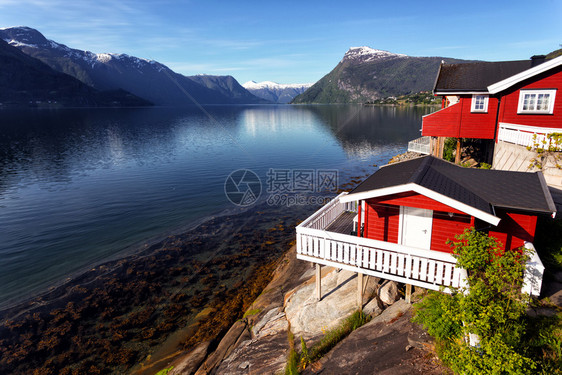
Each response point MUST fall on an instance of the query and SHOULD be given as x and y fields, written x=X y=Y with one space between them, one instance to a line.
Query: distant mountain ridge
x=228 y=86
x=148 y=79
x=275 y=92
x=366 y=74
x=26 y=81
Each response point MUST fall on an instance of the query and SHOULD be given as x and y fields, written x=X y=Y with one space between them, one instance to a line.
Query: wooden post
x=318 y=282
x=408 y=293
x=360 y=290
x=458 y=155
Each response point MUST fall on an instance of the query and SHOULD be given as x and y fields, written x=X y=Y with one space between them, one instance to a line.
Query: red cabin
x=508 y=101
x=395 y=224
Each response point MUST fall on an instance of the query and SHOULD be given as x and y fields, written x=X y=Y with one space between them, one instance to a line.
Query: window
x=479 y=103
x=536 y=101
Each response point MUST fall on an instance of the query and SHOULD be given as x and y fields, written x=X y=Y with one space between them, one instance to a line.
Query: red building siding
x=413 y=199
x=459 y=122
x=445 y=228
x=382 y=222
x=514 y=229
x=510 y=102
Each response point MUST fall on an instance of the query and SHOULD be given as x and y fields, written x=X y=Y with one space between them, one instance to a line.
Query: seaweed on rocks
x=114 y=315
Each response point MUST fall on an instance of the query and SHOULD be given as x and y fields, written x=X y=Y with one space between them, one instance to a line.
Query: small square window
x=479 y=103
x=536 y=101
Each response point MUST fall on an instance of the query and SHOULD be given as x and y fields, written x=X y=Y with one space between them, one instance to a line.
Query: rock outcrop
x=259 y=343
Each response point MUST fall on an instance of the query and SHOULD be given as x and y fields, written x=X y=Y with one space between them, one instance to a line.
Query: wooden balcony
x=325 y=238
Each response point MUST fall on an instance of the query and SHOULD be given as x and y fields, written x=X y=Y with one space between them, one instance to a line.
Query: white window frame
x=474 y=101
x=537 y=92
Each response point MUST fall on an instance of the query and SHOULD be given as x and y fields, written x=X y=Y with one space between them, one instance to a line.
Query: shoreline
x=131 y=306
x=127 y=254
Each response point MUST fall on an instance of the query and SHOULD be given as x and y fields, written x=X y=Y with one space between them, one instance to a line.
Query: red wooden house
x=396 y=223
x=508 y=101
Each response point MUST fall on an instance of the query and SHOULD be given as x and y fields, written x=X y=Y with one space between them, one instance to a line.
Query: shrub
x=494 y=309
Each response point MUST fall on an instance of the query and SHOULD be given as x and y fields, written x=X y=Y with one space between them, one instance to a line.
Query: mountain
x=26 y=81
x=366 y=74
x=109 y=71
x=228 y=86
x=275 y=92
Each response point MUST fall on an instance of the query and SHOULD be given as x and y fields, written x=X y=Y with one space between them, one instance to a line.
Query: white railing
x=533 y=272
x=524 y=135
x=425 y=268
x=421 y=145
x=323 y=217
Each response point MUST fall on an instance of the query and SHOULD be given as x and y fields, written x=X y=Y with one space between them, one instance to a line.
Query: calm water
x=78 y=187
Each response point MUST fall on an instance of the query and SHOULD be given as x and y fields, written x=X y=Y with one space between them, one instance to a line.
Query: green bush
x=449 y=149
x=494 y=308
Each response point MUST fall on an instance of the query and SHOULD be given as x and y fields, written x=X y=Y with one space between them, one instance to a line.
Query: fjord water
x=80 y=187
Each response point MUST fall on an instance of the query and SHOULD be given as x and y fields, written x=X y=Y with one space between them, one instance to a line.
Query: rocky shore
x=259 y=343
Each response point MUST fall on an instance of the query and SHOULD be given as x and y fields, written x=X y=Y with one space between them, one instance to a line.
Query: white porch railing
x=425 y=268
x=524 y=135
x=324 y=216
x=421 y=145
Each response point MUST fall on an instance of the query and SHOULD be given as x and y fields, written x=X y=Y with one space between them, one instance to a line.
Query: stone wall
x=511 y=157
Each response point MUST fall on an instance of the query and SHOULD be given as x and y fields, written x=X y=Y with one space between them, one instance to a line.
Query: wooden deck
x=342 y=224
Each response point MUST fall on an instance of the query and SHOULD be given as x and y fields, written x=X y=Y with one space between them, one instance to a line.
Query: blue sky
x=291 y=41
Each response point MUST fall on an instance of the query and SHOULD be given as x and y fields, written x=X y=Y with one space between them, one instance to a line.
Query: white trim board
x=492 y=219
x=529 y=73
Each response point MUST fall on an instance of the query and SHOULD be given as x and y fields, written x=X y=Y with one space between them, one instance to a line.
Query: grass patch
x=298 y=362
x=165 y=371
x=292 y=366
x=251 y=312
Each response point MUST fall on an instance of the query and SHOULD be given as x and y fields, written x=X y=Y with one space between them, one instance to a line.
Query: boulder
x=388 y=292
x=372 y=308
x=310 y=318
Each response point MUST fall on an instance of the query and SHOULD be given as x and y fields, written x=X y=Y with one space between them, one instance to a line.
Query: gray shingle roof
x=477 y=76
x=482 y=189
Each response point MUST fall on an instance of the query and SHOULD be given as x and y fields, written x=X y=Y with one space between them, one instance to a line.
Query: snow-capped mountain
x=367 y=54
x=26 y=81
x=276 y=92
x=108 y=71
x=366 y=74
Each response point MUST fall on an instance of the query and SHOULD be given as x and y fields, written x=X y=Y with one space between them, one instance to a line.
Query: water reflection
x=79 y=186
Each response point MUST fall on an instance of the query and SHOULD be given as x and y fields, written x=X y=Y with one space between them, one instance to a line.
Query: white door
x=415 y=227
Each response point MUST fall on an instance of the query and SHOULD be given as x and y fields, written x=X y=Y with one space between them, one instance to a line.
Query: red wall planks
x=510 y=102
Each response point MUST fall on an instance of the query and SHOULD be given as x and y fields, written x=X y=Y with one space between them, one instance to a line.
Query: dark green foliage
x=494 y=308
x=430 y=312
x=449 y=149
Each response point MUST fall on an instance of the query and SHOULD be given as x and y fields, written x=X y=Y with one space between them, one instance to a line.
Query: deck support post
x=360 y=290
x=408 y=296
x=318 y=282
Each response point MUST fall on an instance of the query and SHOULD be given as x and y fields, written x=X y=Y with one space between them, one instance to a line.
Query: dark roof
x=482 y=189
x=478 y=76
